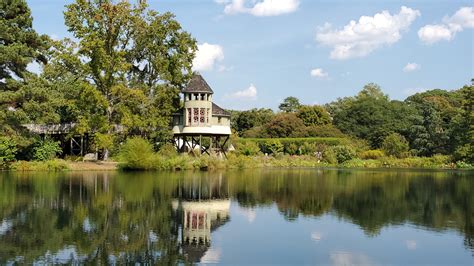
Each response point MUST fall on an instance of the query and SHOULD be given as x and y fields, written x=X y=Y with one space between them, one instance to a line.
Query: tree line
x=424 y=124
x=121 y=75
x=124 y=67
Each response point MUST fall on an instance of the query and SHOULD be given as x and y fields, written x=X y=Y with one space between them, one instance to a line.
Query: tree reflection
x=167 y=218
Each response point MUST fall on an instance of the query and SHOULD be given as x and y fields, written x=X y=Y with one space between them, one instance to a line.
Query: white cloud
x=316 y=236
x=319 y=72
x=360 y=38
x=262 y=8
x=206 y=56
x=462 y=19
x=411 y=244
x=411 y=67
x=435 y=33
x=349 y=258
x=250 y=93
x=212 y=255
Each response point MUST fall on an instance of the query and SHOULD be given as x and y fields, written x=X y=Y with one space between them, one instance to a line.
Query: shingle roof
x=197 y=84
x=218 y=111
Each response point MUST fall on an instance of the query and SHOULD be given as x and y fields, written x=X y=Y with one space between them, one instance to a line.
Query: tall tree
x=136 y=59
x=290 y=105
x=20 y=45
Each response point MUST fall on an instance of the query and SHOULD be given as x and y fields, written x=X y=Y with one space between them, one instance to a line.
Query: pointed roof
x=197 y=84
x=219 y=111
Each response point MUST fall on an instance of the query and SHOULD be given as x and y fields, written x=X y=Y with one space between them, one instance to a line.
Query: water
x=298 y=216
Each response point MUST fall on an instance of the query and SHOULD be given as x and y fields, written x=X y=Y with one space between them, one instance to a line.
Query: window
x=207 y=116
x=219 y=120
x=196 y=115
x=189 y=116
x=189 y=97
x=202 y=115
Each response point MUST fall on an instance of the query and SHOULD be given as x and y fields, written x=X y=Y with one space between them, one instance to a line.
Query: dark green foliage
x=8 y=151
x=343 y=153
x=245 y=120
x=395 y=145
x=324 y=131
x=370 y=115
x=285 y=125
x=272 y=146
x=46 y=150
x=20 y=45
x=314 y=115
x=290 y=105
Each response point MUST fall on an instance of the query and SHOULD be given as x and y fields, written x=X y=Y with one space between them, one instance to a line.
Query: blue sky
x=254 y=53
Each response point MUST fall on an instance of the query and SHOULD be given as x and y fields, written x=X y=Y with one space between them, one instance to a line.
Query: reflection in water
x=171 y=217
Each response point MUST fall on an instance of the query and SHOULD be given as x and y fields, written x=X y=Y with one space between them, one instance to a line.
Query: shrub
x=168 y=150
x=247 y=148
x=372 y=154
x=273 y=146
x=292 y=149
x=309 y=148
x=46 y=150
x=395 y=145
x=136 y=153
x=342 y=153
x=324 y=131
x=7 y=151
x=330 y=156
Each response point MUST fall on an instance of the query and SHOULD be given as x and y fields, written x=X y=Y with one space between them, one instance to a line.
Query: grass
x=53 y=165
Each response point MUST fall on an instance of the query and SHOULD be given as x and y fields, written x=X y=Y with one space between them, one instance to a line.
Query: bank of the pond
x=186 y=162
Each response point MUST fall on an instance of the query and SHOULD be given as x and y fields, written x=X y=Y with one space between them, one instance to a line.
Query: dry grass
x=93 y=166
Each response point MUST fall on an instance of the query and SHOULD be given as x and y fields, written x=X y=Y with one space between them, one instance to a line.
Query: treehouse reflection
x=199 y=219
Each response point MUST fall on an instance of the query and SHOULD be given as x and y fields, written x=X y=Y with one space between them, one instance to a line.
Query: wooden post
x=200 y=144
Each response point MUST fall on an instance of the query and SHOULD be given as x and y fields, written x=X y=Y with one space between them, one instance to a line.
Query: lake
x=271 y=216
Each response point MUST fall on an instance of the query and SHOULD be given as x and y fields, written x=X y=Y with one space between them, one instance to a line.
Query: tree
x=136 y=59
x=395 y=145
x=314 y=115
x=464 y=132
x=290 y=105
x=246 y=120
x=20 y=45
x=371 y=115
x=433 y=126
x=285 y=125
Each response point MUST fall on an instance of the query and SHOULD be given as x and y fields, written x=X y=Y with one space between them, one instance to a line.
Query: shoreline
x=205 y=163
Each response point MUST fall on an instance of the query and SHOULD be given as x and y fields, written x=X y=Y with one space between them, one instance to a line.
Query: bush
x=372 y=154
x=46 y=150
x=341 y=153
x=7 y=152
x=292 y=149
x=273 y=146
x=395 y=145
x=168 y=150
x=136 y=153
x=50 y=165
x=309 y=148
x=247 y=148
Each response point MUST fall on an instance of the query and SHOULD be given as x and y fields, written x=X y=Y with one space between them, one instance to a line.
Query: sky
x=255 y=53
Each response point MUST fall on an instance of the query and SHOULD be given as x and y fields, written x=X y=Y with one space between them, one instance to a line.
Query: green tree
x=46 y=150
x=314 y=115
x=246 y=120
x=20 y=45
x=290 y=105
x=137 y=61
x=395 y=145
x=464 y=132
x=371 y=115
x=285 y=125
